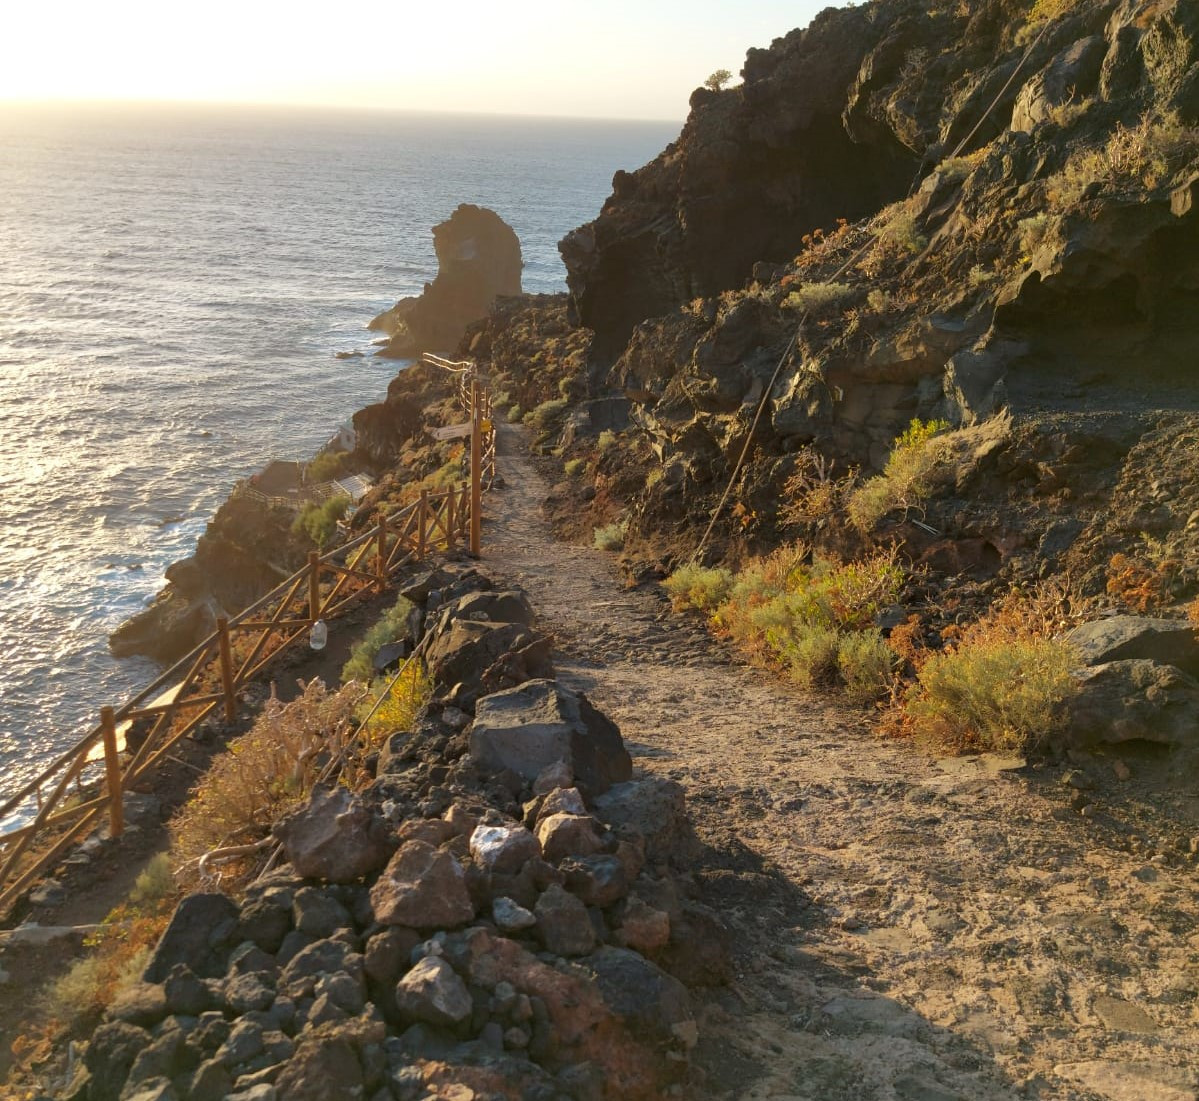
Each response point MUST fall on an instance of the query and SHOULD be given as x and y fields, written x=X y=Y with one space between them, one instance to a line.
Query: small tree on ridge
x=718 y=80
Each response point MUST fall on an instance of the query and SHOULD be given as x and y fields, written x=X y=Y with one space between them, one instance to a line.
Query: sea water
x=174 y=285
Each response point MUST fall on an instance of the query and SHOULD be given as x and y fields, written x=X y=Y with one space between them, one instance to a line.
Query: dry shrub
x=904 y=482
x=1193 y=612
x=610 y=537
x=120 y=949
x=698 y=587
x=818 y=298
x=1001 y=684
x=1001 y=694
x=812 y=495
x=264 y=774
x=1142 y=586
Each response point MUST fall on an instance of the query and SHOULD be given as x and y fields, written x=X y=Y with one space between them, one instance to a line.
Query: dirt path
x=905 y=928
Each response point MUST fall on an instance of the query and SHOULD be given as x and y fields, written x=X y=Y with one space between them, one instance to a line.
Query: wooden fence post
x=314 y=585
x=476 y=472
x=226 y=654
x=381 y=552
x=112 y=769
x=451 y=535
x=422 y=525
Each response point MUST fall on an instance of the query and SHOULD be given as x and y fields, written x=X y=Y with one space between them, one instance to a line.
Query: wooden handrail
x=210 y=674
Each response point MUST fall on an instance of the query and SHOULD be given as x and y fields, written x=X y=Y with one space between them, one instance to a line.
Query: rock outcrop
x=478 y=260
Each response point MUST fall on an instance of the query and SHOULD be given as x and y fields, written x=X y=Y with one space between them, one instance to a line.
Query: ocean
x=174 y=285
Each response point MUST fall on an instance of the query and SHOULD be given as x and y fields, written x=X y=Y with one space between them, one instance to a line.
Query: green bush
x=904 y=482
x=809 y=650
x=866 y=664
x=900 y=232
x=698 y=587
x=328 y=465
x=574 y=467
x=607 y=439
x=610 y=537
x=391 y=626
x=155 y=883
x=318 y=519
x=546 y=413
x=814 y=618
x=991 y=694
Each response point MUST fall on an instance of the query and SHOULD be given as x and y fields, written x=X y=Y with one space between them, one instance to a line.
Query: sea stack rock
x=478 y=259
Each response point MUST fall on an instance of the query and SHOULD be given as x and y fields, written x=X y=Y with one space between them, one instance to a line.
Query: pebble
x=1122 y=771
x=1077 y=779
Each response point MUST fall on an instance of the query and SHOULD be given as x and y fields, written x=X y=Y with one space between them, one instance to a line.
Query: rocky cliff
x=478 y=259
x=983 y=213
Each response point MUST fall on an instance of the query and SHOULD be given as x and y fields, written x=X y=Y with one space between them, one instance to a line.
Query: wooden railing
x=209 y=679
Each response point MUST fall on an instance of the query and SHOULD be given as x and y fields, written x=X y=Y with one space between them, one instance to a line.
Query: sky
x=603 y=58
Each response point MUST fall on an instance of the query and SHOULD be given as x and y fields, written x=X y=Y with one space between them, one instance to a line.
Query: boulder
x=652 y=809
x=506 y=606
x=318 y=914
x=200 y=933
x=643 y=928
x=324 y=1068
x=503 y=849
x=563 y=923
x=465 y=651
x=423 y=888
x=529 y=728
x=510 y=916
x=652 y=1003
x=110 y=1055
x=598 y=880
x=324 y=957
x=433 y=993
x=1168 y=641
x=562 y=800
x=563 y=835
x=335 y=837
x=1133 y=700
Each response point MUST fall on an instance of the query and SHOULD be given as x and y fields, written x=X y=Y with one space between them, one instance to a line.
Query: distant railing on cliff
x=209 y=678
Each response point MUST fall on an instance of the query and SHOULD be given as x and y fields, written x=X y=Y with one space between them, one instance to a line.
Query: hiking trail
x=904 y=927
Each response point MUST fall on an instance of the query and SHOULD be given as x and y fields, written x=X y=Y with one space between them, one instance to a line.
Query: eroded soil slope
x=904 y=927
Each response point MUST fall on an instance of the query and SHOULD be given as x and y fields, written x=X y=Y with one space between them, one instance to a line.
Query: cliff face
x=1040 y=282
x=478 y=259
x=836 y=120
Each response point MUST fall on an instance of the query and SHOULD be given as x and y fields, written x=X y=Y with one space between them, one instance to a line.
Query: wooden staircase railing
x=209 y=678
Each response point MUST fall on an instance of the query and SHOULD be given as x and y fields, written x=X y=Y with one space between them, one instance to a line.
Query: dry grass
x=813 y=494
x=818 y=298
x=263 y=775
x=610 y=537
x=1145 y=156
x=393 y=705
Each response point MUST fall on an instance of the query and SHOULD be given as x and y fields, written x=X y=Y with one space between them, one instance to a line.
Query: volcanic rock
x=540 y=723
x=423 y=888
x=478 y=257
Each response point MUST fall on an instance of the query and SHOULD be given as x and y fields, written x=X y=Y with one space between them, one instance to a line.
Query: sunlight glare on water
x=174 y=284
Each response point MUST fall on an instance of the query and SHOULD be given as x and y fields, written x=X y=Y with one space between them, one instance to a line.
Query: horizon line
x=342 y=108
